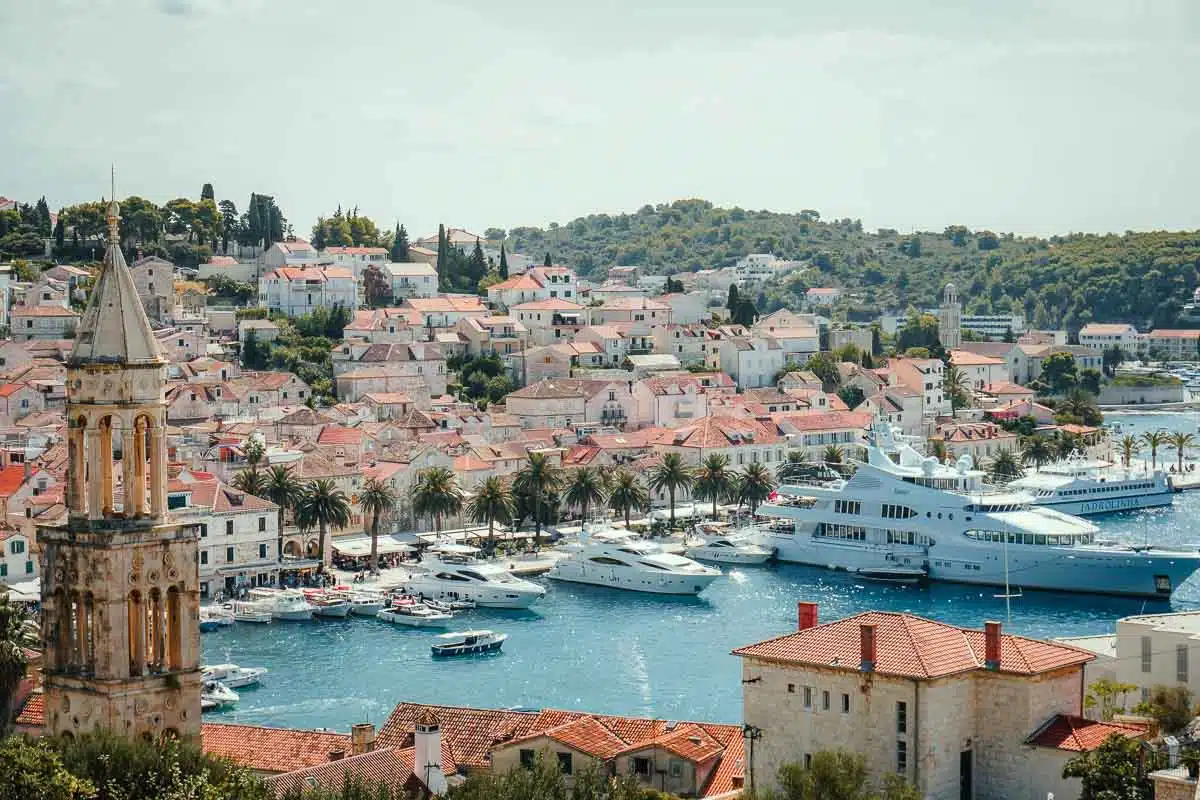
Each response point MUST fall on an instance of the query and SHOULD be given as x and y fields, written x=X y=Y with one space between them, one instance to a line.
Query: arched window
x=89 y=637
x=137 y=634
x=174 y=629
x=62 y=633
x=154 y=631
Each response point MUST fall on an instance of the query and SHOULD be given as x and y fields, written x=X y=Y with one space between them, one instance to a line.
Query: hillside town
x=350 y=416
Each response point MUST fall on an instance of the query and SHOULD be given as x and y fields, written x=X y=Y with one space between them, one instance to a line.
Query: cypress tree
x=58 y=231
x=731 y=304
x=441 y=258
x=503 y=264
x=207 y=193
x=477 y=270
x=547 y=262
x=400 y=245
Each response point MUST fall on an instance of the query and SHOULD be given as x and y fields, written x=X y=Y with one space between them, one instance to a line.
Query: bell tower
x=120 y=582
x=950 y=319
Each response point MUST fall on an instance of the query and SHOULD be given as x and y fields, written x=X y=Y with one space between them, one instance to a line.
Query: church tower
x=120 y=582
x=950 y=319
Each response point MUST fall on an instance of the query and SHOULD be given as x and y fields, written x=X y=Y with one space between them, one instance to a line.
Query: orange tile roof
x=459 y=304
x=584 y=734
x=271 y=749
x=11 y=478
x=965 y=358
x=9 y=389
x=393 y=768
x=912 y=647
x=522 y=281
x=337 y=434
x=42 y=311
x=718 y=431
x=33 y=715
x=1080 y=735
x=552 y=304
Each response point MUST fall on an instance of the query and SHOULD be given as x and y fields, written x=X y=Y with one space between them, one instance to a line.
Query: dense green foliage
x=1058 y=282
x=544 y=781
x=834 y=774
x=1113 y=771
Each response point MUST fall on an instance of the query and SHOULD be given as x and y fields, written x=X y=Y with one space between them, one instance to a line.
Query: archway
x=292 y=549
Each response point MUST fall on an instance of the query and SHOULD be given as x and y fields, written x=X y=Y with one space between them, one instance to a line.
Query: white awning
x=359 y=546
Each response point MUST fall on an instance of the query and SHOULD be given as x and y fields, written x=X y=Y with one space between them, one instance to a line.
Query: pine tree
x=477 y=270
x=207 y=193
x=547 y=262
x=42 y=216
x=441 y=258
x=731 y=304
x=58 y=231
x=400 y=245
x=503 y=264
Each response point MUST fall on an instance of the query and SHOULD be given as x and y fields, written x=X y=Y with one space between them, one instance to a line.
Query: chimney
x=427 y=752
x=337 y=755
x=362 y=738
x=866 y=635
x=991 y=650
x=807 y=613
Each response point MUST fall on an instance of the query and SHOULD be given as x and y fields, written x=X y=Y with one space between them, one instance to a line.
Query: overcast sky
x=1038 y=116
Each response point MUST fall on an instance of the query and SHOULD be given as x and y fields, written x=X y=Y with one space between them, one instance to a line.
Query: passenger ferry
x=1083 y=487
x=944 y=521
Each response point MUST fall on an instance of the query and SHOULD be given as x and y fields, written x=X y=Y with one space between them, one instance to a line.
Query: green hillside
x=1062 y=281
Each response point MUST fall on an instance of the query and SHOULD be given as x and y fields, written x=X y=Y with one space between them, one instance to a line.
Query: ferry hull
x=1087 y=508
x=673 y=584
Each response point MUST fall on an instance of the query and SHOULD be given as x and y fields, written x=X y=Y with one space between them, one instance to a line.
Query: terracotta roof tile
x=390 y=767
x=33 y=715
x=912 y=647
x=584 y=734
x=271 y=749
x=1079 y=735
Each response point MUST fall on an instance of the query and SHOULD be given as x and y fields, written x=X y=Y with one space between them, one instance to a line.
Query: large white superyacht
x=1083 y=486
x=618 y=560
x=914 y=515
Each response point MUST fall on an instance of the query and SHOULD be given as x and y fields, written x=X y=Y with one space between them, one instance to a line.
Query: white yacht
x=365 y=605
x=1083 y=486
x=712 y=542
x=618 y=560
x=256 y=611
x=915 y=516
x=415 y=615
x=215 y=695
x=283 y=604
x=451 y=573
x=233 y=676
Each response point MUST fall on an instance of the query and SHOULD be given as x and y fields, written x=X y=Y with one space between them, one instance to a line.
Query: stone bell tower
x=120 y=582
x=950 y=319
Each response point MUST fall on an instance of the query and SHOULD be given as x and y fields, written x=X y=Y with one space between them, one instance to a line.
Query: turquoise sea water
x=597 y=649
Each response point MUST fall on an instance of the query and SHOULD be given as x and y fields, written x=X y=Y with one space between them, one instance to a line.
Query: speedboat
x=1082 y=486
x=710 y=544
x=325 y=604
x=284 y=604
x=467 y=643
x=249 y=611
x=454 y=573
x=414 y=615
x=449 y=605
x=233 y=676
x=618 y=560
x=212 y=618
x=365 y=605
x=219 y=693
x=945 y=521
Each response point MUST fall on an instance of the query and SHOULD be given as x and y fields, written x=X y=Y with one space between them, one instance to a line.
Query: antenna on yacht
x=1008 y=595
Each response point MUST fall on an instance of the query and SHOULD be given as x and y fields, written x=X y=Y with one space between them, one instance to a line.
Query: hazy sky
x=1035 y=116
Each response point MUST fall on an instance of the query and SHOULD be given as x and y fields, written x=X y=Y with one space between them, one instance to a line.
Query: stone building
x=950 y=319
x=957 y=712
x=120 y=593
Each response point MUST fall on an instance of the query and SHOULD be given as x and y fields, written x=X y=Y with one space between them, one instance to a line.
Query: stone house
x=550 y=321
x=571 y=403
x=981 y=370
x=413 y=279
x=18 y=561
x=745 y=441
x=982 y=441
x=445 y=311
x=491 y=335
x=752 y=361
x=386 y=326
x=42 y=322
x=669 y=401
x=154 y=278
x=239 y=534
x=632 y=309
x=688 y=343
x=19 y=399
x=960 y=713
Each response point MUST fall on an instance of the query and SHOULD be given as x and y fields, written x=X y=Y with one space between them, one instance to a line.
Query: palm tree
x=285 y=491
x=537 y=479
x=254 y=452
x=323 y=505
x=1129 y=449
x=796 y=465
x=1036 y=451
x=1077 y=402
x=1005 y=467
x=756 y=485
x=437 y=494
x=584 y=488
x=957 y=384
x=712 y=481
x=937 y=449
x=1181 y=442
x=833 y=455
x=627 y=494
x=492 y=501
x=1154 y=440
x=13 y=640
x=377 y=499
x=1066 y=444
x=672 y=475
x=250 y=481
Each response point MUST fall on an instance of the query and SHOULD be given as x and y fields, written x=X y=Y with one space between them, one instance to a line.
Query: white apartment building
x=761 y=267
x=536 y=283
x=301 y=290
x=924 y=375
x=1176 y=344
x=239 y=533
x=289 y=254
x=959 y=713
x=1102 y=336
x=18 y=562
x=356 y=259
x=752 y=361
x=414 y=279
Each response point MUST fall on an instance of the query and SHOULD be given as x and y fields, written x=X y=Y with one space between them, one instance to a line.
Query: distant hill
x=1063 y=281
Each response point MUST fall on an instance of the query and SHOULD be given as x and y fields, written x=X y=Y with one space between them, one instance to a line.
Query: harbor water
x=597 y=649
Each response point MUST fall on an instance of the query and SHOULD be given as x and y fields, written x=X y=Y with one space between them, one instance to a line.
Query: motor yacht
x=468 y=643
x=365 y=605
x=217 y=694
x=914 y=515
x=714 y=543
x=253 y=611
x=1082 y=486
x=619 y=560
x=455 y=573
x=407 y=611
x=213 y=618
x=233 y=676
x=327 y=604
x=284 y=604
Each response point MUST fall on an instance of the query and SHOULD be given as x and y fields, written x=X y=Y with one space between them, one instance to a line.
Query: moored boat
x=467 y=643
x=248 y=611
x=233 y=676
x=218 y=693
x=721 y=547
x=415 y=615
x=213 y=618
x=326 y=604
x=284 y=604
x=618 y=560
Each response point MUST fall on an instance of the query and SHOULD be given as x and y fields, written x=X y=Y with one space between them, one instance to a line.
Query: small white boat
x=233 y=676
x=727 y=549
x=328 y=605
x=287 y=605
x=467 y=643
x=219 y=693
x=366 y=605
x=415 y=615
x=212 y=618
x=247 y=611
x=449 y=606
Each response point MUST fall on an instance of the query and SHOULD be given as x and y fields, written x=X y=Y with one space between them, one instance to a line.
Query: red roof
x=393 y=768
x=11 y=478
x=913 y=647
x=33 y=715
x=584 y=734
x=9 y=389
x=1079 y=735
x=336 y=434
x=271 y=749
